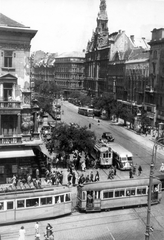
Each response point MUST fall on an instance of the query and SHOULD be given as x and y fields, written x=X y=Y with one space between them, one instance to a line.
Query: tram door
x=93 y=201
x=154 y=194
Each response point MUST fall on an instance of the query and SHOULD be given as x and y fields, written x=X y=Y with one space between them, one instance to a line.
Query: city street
x=117 y=224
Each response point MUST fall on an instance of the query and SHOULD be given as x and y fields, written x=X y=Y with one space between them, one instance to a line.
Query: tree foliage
x=46 y=92
x=104 y=103
x=72 y=137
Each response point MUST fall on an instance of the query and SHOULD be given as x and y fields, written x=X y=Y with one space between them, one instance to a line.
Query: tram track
x=71 y=223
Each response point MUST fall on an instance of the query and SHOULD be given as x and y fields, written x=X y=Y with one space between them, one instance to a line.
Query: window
x=8 y=59
x=120 y=193
x=59 y=199
x=108 y=194
x=83 y=196
x=32 y=202
x=10 y=205
x=47 y=200
x=1 y=206
x=141 y=191
x=67 y=197
x=20 y=204
x=130 y=192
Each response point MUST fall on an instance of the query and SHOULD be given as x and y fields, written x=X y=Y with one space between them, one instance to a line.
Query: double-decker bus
x=85 y=111
x=117 y=193
x=102 y=154
x=122 y=158
x=34 y=204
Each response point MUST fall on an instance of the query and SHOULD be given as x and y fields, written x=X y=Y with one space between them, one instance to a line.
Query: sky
x=67 y=25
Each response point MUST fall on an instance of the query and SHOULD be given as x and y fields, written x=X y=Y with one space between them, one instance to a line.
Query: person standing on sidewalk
x=22 y=233
x=131 y=173
x=36 y=228
x=139 y=170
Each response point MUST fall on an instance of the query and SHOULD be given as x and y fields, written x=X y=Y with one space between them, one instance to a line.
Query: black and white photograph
x=81 y=120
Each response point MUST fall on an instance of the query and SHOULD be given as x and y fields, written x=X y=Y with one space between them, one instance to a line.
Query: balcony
x=10 y=104
x=10 y=140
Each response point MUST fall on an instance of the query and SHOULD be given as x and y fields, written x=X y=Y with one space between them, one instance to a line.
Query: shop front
x=15 y=162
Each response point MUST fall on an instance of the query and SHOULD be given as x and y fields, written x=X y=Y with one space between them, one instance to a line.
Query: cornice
x=15 y=46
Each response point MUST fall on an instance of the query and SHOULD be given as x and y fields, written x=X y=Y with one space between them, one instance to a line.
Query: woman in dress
x=22 y=233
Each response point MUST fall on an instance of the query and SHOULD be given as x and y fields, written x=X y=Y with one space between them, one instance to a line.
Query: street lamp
x=153 y=162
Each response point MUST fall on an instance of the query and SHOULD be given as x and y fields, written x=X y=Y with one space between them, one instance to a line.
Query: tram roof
x=33 y=192
x=97 y=186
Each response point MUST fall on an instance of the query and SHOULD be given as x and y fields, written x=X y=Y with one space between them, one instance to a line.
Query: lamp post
x=153 y=162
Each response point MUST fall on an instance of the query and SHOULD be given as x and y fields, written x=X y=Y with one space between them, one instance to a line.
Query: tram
x=102 y=154
x=34 y=204
x=114 y=194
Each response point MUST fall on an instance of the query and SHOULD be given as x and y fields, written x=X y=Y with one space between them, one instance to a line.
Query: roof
x=8 y=22
x=72 y=54
x=138 y=53
x=128 y=183
x=119 y=149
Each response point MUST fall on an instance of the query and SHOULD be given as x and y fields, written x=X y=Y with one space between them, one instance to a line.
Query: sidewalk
x=146 y=140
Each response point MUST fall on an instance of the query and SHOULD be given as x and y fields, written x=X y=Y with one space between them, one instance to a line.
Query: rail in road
x=77 y=226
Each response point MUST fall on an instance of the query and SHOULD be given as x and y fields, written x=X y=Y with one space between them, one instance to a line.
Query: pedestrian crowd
x=133 y=170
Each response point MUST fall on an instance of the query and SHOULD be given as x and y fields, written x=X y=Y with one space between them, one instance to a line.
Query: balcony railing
x=10 y=104
x=10 y=140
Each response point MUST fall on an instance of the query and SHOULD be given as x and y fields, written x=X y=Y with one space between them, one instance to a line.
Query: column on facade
x=1 y=91
x=19 y=123
x=0 y=126
x=35 y=122
x=13 y=92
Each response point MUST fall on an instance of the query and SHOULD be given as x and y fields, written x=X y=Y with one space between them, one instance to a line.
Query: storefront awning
x=17 y=153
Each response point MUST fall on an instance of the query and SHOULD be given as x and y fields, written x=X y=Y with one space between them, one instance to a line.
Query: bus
x=85 y=111
x=122 y=158
x=102 y=154
x=117 y=193
x=34 y=204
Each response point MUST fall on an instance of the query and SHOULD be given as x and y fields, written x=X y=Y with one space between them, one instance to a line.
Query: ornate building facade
x=97 y=55
x=69 y=72
x=17 y=117
x=155 y=87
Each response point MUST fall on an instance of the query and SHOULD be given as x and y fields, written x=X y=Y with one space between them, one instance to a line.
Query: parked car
x=108 y=136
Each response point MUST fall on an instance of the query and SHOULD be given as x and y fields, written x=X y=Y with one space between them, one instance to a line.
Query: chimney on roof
x=119 y=31
x=132 y=38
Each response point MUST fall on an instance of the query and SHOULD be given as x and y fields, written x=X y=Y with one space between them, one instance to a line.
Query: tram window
x=108 y=194
x=34 y=202
x=141 y=191
x=67 y=197
x=59 y=199
x=1 y=206
x=10 y=205
x=62 y=198
x=47 y=200
x=130 y=192
x=83 y=195
x=97 y=194
x=119 y=193
x=20 y=204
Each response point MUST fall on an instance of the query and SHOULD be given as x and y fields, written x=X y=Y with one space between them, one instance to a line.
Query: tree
x=145 y=121
x=72 y=137
x=104 y=103
x=46 y=92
